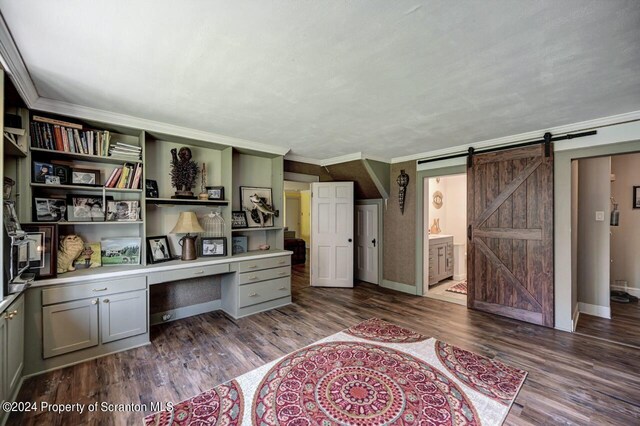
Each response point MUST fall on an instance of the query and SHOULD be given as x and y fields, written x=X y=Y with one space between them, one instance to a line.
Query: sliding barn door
x=510 y=218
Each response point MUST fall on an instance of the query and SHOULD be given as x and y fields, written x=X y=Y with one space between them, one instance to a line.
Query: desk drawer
x=92 y=289
x=258 y=264
x=183 y=274
x=263 y=275
x=252 y=294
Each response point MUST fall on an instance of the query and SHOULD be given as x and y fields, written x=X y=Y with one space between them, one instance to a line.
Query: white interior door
x=332 y=234
x=367 y=243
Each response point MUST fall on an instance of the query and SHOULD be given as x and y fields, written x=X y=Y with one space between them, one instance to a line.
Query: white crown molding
x=525 y=137
x=14 y=65
x=341 y=159
x=376 y=158
x=88 y=113
x=301 y=159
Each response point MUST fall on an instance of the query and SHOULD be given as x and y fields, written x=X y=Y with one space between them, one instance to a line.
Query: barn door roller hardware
x=547 y=139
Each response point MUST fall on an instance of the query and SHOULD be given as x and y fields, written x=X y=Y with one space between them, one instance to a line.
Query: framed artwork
x=636 y=197
x=123 y=211
x=41 y=170
x=88 y=177
x=90 y=257
x=120 y=251
x=45 y=267
x=158 y=249
x=52 y=180
x=151 y=188
x=215 y=192
x=85 y=208
x=213 y=246
x=48 y=209
x=238 y=220
x=63 y=173
x=255 y=201
x=36 y=249
x=238 y=244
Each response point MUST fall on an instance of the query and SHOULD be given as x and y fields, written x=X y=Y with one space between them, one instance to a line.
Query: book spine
x=58 y=138
x=35 y=141
x=110 y=178
x=116 y=178
x=57 y=122
x=136 y=179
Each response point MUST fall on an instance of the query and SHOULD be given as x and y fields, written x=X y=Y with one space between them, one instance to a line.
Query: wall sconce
x=402 y=181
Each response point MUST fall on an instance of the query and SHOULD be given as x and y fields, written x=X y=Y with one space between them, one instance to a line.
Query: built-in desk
x=90 y=313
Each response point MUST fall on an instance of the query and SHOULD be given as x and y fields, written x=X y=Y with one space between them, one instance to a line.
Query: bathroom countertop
x=436 y=236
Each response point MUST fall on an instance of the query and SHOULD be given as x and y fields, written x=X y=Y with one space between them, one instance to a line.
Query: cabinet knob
x=94 y=302
x=252 y=267
x=253 y=294
x=106 y=300
x=253 y=278
x=282 y=288
x=282 y=262
x=198 y=273
x=100 y=289
x=282 y=273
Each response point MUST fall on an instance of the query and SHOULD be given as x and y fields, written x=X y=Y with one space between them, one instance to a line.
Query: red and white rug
x=375 y=373
x=461 y=288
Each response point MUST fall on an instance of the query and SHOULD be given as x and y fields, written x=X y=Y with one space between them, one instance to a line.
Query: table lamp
x=187 y=223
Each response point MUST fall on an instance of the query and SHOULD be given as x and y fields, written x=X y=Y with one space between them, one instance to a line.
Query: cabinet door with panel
x=123 y=315
x=69 y=327
x=15 y=343
x=3 y=360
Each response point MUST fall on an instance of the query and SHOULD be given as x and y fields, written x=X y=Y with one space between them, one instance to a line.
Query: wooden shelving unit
x=83 y=188
x=83 y=157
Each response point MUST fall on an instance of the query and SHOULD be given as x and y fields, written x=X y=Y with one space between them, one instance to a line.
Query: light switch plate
x=599 y=216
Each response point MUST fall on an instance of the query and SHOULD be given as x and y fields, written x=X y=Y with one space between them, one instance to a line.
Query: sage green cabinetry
x=11 y=348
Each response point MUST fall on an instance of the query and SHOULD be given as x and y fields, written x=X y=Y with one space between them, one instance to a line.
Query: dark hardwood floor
x=623 y=327
x=572 y=379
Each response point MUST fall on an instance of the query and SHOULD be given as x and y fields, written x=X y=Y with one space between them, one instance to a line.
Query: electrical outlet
x=599 y=216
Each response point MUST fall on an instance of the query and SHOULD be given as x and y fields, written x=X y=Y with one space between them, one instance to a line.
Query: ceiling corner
x=14 y=66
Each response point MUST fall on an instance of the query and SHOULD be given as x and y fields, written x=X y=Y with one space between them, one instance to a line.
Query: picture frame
x=213 y=246
x=151 y=188
x=636 y=197
x=40 y=171
x=48 y=209
x=47 y=267
x=215 y=192
x=123 y=211
x=90 y=257
x=62 y=172
x=239 y=219
x=86 y=208
x=120 y=251
x=36 y=249
x=85 y=177
x=52 y=180
x=10 y=217
x=256 y=219
x=158 y=249
x=239 y=244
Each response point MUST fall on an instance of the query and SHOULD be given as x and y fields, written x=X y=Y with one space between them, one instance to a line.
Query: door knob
x=373 y=242
x=350 y=240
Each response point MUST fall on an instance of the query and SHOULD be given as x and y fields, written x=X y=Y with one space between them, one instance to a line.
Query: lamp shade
x=187 y=223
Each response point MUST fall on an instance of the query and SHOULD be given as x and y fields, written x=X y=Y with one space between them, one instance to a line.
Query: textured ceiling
x=328 y=78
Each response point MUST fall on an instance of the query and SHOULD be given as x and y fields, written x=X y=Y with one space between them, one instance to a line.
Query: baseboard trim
x=595 y=310
x=405 y=288
x=185 y=312
x=460 y=277
x=576 y=315
x=631 y=290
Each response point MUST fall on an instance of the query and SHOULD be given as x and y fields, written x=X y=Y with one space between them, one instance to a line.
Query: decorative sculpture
x=402 y=181
x=203 y=184
x=183 y=172
x=261 y=210
x=70 y=248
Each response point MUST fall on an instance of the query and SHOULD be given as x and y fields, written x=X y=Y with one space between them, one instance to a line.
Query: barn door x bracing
x=510 y=217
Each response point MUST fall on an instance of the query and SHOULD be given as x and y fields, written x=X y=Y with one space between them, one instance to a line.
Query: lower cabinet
x=70 y=326
x=440 y=259
x=11 y=348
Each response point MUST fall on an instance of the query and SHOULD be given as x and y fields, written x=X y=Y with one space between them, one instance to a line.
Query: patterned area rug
x=461 y=288
x=375 y=373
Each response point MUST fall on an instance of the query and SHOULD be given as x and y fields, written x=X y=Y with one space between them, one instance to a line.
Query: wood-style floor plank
x=623 y=327
x=572 y=379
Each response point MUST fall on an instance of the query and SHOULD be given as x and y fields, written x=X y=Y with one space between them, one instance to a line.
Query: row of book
x=129 y=176
x=124 y=150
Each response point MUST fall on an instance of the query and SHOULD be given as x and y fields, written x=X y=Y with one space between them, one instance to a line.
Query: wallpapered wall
x=399 y=229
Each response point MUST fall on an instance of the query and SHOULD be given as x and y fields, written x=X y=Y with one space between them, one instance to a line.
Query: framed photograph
x=255 y=201
x=41 y=170
x=238 y=244
x=636 y=197
x=90 y=257
x=120 y=251
x=215 y=192
x=151 y=188
x=52 y=180
x=158 y=249
x=47 y=255
x=48 y=209
x=213 y=246
x=88 y=177
x=238 y=220
x=85 y=208
x=10 y=217
x=123 y=211
x=63 y=173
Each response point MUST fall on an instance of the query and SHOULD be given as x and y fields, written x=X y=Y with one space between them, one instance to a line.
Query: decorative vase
x=435 y=227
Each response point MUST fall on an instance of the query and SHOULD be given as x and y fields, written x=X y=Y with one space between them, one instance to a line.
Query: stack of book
x=129 y=176
x=123 y=150
x=58 y=135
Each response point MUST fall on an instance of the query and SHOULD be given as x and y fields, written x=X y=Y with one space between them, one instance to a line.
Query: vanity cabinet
x=440 y=258
x=11 y=348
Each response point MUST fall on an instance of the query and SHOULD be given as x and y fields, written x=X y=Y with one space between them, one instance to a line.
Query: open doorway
x=297 y=220
x=445 y=242
x=606 y=218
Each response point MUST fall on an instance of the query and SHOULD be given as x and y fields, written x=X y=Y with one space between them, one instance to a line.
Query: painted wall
x=307 y=169
x=399 y=230
x=594 y=194
x=305 y=216
x=625 y=244
x=453 y=213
